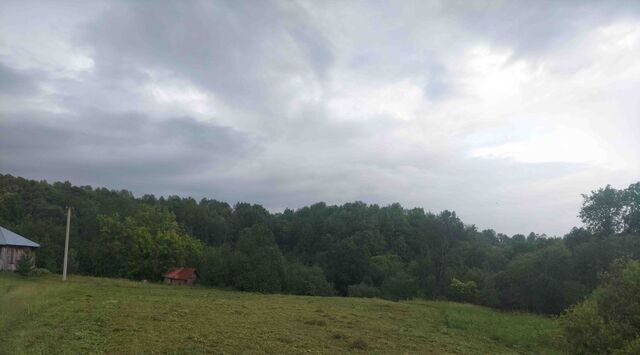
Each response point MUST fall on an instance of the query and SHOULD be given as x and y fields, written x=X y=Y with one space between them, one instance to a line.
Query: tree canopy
x=355 y=249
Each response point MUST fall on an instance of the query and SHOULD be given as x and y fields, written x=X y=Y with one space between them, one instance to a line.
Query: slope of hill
x=94 y=315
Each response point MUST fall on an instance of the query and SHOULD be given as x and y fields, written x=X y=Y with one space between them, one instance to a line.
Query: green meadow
x=86 y=315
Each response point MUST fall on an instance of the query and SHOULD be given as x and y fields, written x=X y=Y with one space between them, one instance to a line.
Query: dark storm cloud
x=242 y=51
x=127 y=149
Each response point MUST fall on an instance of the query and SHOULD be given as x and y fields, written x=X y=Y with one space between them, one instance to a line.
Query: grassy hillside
x=93 y=315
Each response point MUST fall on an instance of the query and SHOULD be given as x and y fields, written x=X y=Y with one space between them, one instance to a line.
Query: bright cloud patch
x=562 y=145
x=401 y=101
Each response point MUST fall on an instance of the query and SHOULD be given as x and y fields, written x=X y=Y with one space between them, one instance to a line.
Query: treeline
x=355 y=249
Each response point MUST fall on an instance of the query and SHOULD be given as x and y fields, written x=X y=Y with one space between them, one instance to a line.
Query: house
x=12 y=248
x=181 y=276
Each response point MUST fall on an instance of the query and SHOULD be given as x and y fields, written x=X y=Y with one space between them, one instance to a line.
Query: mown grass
x=94 y=316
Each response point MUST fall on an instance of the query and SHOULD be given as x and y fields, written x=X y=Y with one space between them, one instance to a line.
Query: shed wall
x=9 y=256
x=170 y=281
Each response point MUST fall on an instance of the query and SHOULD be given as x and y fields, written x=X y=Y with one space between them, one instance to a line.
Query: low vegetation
x=94 y=315
x=609 y=320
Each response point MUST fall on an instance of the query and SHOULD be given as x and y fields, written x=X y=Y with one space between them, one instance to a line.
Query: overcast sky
x=504 y=111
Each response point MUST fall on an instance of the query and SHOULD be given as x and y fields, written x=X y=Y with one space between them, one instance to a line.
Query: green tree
x=216 y=266
x=536 y=281
x=602 y=210
x=145 y=245
x=346 y=264
x=631 y=218
x=258 y=264
x=246 y=215
x=384 y=266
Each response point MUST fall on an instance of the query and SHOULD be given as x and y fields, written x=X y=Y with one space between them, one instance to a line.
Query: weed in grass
x=359 y=344
x=319 y=322
x=339 y=336
x=284 y=340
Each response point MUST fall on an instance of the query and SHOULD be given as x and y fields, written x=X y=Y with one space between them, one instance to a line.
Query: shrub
x=399 y=287
x=307 y=280
x=487 y=294
x=586 y=331
x=463 y=291
x=609 y=320
x=632 y=348
x=363 y=290
x=25 y=265
x=40 y=272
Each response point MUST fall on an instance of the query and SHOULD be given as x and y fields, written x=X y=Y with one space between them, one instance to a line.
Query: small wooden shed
x=12 y=248
x=181 y=276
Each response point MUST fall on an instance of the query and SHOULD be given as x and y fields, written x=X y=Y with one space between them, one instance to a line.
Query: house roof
x=183 y=273
x=8 y=237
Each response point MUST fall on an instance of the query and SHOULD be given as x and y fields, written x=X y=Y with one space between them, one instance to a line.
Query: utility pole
x=66 y=246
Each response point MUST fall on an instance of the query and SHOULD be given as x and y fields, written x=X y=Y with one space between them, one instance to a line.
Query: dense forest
x=355 y=249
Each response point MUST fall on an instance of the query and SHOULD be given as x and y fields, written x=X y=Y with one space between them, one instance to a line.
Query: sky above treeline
x=504 y=111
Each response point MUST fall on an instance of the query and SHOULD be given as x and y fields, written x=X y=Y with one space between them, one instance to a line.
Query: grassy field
x=93 y=315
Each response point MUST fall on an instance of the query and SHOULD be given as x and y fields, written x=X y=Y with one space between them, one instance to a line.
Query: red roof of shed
x=183 y=273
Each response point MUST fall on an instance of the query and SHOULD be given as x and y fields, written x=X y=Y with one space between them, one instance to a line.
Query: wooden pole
x=66 y=246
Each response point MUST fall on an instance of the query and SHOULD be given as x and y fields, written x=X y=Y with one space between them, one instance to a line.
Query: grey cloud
x=408 y=39
x=482 y=192
x=314 y=46
x=236 y=49
x=438 y=85
x=128 y=150
x=15 y=82
x=532 y=28
x=112 y=132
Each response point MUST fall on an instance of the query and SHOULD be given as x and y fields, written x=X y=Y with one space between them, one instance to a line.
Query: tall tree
x=602 y=210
